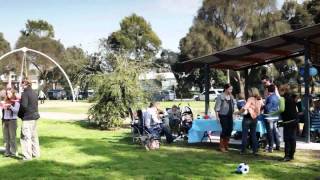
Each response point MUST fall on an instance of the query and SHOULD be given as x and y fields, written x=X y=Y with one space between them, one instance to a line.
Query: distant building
x=164 y=80
x=13 y=80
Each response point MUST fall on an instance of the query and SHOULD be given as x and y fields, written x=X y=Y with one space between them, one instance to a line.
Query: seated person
x=154 y=124
x=174 y=116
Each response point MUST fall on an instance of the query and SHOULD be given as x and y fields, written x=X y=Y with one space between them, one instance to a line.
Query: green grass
x=72 y=151
x=64 y=107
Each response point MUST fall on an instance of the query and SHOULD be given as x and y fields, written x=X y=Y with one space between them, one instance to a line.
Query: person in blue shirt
x=271 y=106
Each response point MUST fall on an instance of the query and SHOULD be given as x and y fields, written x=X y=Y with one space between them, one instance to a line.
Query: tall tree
x=39 y=28
x=223 y=24
x=5 y=67
x=217 y=26
x=39 y=35
x=4 y=45
x=135 y=37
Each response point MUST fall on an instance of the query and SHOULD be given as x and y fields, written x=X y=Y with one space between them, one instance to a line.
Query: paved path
x=300 y=144
x=63 y=116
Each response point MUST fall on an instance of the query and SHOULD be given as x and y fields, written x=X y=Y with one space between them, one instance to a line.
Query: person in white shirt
x=154 y=124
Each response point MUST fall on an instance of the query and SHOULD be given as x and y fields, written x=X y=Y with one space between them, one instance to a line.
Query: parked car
x=213 y=94
x=164 y=95
x=56 y=94
x=85 y=94
x=168 y=95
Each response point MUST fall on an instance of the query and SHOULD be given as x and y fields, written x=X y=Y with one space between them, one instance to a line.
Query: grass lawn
x=64 y=106
x=70 y=150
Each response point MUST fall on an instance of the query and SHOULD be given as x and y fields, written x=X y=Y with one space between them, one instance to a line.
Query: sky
x=84 y=22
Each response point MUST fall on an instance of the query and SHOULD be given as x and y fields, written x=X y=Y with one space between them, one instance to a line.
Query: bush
x=116 y=93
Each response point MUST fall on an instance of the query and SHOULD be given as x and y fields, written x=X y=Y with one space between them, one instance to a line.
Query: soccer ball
x=243 y=168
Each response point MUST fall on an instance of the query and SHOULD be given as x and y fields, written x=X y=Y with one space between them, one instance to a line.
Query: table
x=199 y=126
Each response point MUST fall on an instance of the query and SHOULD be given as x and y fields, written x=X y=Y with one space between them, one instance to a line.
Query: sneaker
x=286 y=159
x=6 y=155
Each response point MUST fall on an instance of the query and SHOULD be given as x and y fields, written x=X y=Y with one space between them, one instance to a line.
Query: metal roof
x=264 y=51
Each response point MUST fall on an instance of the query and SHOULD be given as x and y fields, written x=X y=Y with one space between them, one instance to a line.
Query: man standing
x=29 y=136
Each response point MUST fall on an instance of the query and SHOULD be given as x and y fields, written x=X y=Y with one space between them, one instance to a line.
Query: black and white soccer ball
x=243 y=168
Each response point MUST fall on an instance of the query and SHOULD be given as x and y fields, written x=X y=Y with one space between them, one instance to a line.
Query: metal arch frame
x=24 y=50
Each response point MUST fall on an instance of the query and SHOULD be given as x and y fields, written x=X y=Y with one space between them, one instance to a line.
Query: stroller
x=182 y=125
x=140 y=134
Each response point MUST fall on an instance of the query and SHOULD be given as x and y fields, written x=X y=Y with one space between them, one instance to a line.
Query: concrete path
x=300 y=144
x=63 y=116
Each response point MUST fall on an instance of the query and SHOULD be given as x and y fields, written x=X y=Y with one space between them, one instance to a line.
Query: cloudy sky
x=84 y=22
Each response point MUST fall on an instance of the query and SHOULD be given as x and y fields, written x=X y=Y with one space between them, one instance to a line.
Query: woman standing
x=251 y=111
x=224 y=108
x=9 y=122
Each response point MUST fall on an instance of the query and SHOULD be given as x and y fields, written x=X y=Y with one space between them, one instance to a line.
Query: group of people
x=25 y=108
x=279 y=104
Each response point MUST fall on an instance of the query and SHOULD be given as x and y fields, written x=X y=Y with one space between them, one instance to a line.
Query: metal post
x=246 y=90
x=306 y=89
x=207 y=87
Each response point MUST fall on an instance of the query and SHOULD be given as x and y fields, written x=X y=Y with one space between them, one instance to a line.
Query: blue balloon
x=312 y=71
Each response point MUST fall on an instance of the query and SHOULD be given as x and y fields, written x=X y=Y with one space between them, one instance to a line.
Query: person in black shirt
x=289 y=116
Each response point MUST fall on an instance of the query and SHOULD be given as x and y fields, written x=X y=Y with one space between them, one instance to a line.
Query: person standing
x=42 y=97
x=272 y=106
x=251 y=111
x=224 y=109
x=9 y=122
x=290 y=123
x=29 y=136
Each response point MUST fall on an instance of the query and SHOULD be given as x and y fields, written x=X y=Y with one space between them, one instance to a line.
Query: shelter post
x=207 y=87
x=246 y=90
x=306 y=88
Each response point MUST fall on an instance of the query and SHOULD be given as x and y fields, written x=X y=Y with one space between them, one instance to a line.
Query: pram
x=140 y=134
x=181 y=126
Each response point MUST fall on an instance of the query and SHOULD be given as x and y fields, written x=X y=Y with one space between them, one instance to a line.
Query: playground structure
x=24 y=50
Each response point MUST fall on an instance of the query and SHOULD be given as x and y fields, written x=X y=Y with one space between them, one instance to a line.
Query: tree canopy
x=135 y=37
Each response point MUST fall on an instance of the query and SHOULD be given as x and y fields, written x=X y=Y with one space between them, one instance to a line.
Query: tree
x=116 y=93
x=4 y=45
x=135 y=37
x=4 y=48
x=39 y=35
x=217 y=26
x=38 y=28
x=74 y=59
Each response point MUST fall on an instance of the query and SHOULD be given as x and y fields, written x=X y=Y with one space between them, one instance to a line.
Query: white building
x=167 y=79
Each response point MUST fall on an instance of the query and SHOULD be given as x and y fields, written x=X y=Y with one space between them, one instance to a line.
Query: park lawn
x=65 y=106
x=70 y=150
x=82 y=107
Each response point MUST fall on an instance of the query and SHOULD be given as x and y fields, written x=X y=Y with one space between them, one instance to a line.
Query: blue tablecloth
x=199 y=126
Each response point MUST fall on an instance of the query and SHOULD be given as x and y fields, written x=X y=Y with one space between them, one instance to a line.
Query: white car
x=213 y=94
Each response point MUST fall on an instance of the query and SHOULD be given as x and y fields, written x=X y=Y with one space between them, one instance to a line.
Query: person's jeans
x=226 y=126
x=273 y=135
x=160 y=129
x=9 y=128
x=289 y=136
x=249 y=124
x=29 y=140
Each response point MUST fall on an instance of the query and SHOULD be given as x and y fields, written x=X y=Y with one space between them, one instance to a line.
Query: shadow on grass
x=115 y=157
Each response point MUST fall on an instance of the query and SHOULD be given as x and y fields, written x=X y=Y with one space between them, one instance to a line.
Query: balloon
x=312 y=71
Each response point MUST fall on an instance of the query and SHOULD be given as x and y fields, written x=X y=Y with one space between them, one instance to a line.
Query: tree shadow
x=117 y=158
